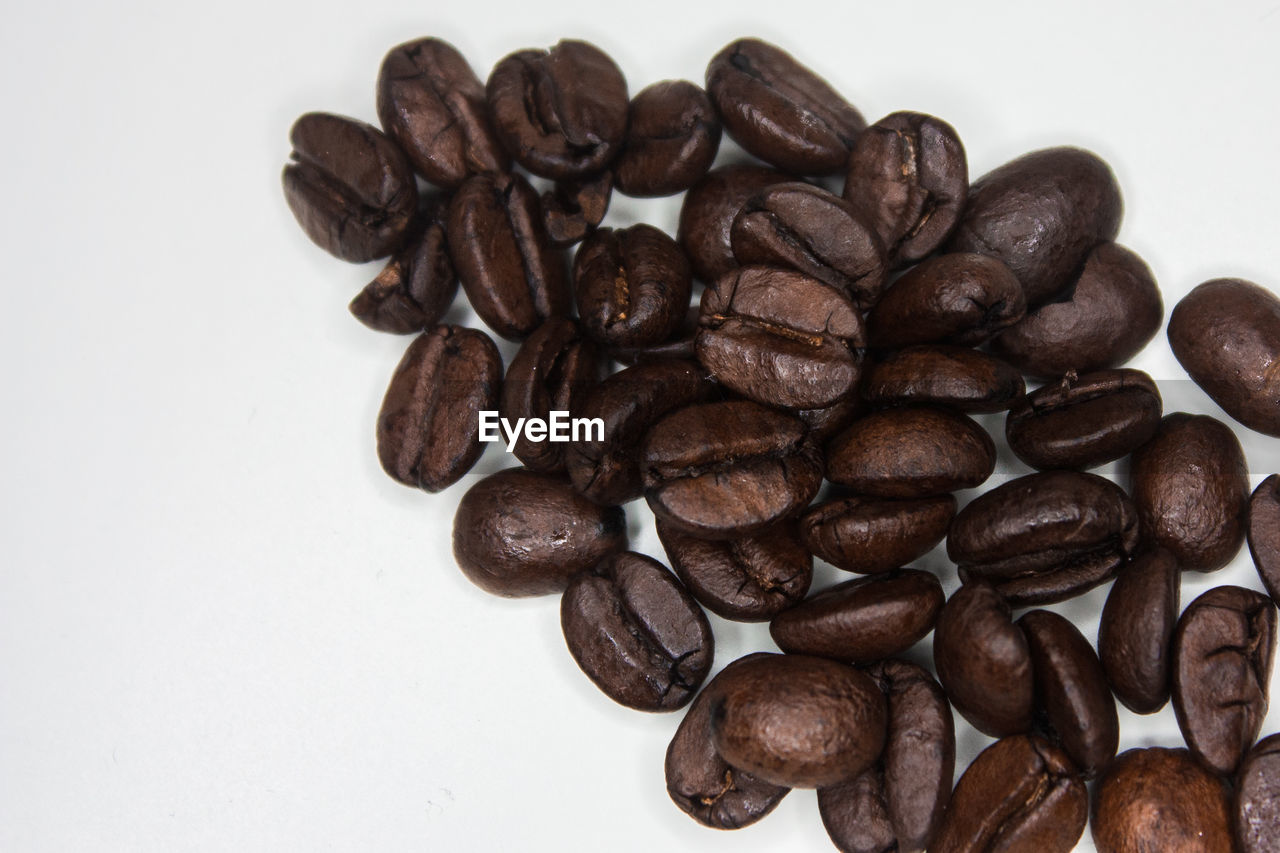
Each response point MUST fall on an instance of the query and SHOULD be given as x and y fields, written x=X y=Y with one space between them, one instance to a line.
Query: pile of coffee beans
x=840 y=337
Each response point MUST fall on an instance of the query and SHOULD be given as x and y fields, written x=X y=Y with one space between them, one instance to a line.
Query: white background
x=221 y=626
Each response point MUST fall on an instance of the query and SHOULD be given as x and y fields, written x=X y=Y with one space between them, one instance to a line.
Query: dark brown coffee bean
x=708 y=211
x=561 y=113
x=781 y=111
x=1223 y=647
x=808 y=229
x=673 y=134
x=1136 y=629
x=1264 y=533
x=856 y=814
x=1084 y=421
x=718 y=470
x=429 y=424
x=911 y=453
x=417 y=285
x=960 y=299
x=869 y=535
x=1020 y=794
x=1191 y=489
x=1257 y=801
x=827 y=421
x=909 y=171
x=519 y=533
x=1045 y=537
x=1226 y=334
x=512 y=276
x=349 y=187
x=679 y=345
x=955 y=377
x=1160 y=799
x=632 y=286
x=1103 y=319
x=747 y=578
x=574 y=208
x=433 y=105
x=637 y=633
x=1041 y=214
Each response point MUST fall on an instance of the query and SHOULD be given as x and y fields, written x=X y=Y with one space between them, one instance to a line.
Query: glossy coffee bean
x=673 y=134
x=856 y=814
x=679 y=345
x=574 y=207
x=1257 y=801
x=827 y=421
x=1191 y=488
x=637 y=633
x=708 y=211
x=429 y=425
x=1136 y=630
x=632 y=286
x=519 y=533
x=1264 y=533
x=1160 y=799
x=416 y=287
x=869 y=535
x=962 y=379
x=349 y=187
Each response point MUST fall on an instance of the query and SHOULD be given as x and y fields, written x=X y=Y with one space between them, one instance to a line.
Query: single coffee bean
x=748 y=578
x=960 y=299
x=673 y=134
x=909 y=171
x=574 y=208
x=1020 y=793
x=1045 y=537
x=429 y=425
x=1191 y=488
x=1226 y=335
x=779 y=110
x=827 y=421
x=1264 y=533
x=433 y=105
x=561 y=113
x=1084 y=421
x=1160 y=799
x=416 y=287
x=911 y=452
x=678 y=345
x=1041 y=214
x=798 y=721
x=1257 y=801
x=780 y=338
x=718 y=470
x=856 y=814
x=955 y=377
x=1136 y=629
x=808 y=229
x=1223 y=647
x=983 y=661
x=637 y=633
x=512 y=276
x=1103 y=319
x=349 y=187
x=869 y=535
x=708 y=211
x=520 y=533
x=632 y=286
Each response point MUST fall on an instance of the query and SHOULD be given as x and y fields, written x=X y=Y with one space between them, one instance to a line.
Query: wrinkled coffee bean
x=574 y=208
x=414 y=290
x=708 y=211
x=1257 y=801
x=1136 y=630
x=632 y=286
x=1160 y=799
x=869 y=535
x=962 y=379
x=673 y=134
x=1264 y=533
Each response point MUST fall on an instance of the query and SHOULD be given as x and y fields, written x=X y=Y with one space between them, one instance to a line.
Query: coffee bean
x=1264 y=533
x=1136 y=629
x=824 y=422
x=428 y=426
x=708 y=211
x=520 y=533
x=1160 y=799
x=574 y=207
x=349 y=187
x=869 y=535
x=1257 y=801
x=856 y=814
x=679 y=345
x=632 y=286
x=416 y=287
x=962 y=379
x=673 y=134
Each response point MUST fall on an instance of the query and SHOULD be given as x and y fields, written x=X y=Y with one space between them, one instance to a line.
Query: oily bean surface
x=708 y=211
x=414 y=290
x=1160 y=799
x=962 y=379
x=869 y=535
x=1257 y=800
x=632 y=286
x=1136 y=630
x=1264 y=533
x=673 y=134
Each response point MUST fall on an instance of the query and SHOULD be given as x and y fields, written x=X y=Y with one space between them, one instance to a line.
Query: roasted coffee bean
x=1257 y=801
x=1042 y=214
x=429 y=424
x=1020 y=793
x=629 y=402
x=417 y=285
x=574 y=208
x=747 y=578
x=856 y=814
x=1226 y=335
x=1084 y=421
x=983 y=661
x=1103 y=319
x=637 y=633
x=955 y=377
x=679 y=345
x=1264 y=533
x=1160 y=799
x=911 y=453
x=1136 y=629
x=1072 y=691
x=561 y=113
x=512 y=276
x=632 y=286
x=718 y=470
x=520 y=533
x=708 y=211
x=1191 y=489
x=1045 y=537
x=808 y=229
x=702 y=783
x=869 y=535
x=829 y=420
x=433 y=105
x=1223 y=647
x=863 y=620
x=960 y=299
x=349 y=187
x=798 y=721
x=780 y=338
x=673 y=134
x=909 y=171
x=781 y=111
